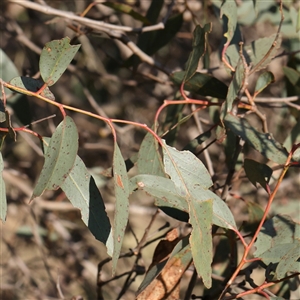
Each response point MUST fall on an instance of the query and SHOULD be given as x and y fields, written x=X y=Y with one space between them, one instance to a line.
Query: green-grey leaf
x=122 y=204
x=149 y=160
x=32 y=85
x=233 y=90
x=81 y=190
x=185 y=170
x=59 y=157
x=199 y=49
x=161 y=188
x=55 y=58
x=263 y=81
x=201 y=238
x=3 y=201
x=202 y=84
x=257 y=172
x=278 y=244
x=262 y=142
x=262 y=51
x=292 y=75
x=259 y=53
x=192 y=181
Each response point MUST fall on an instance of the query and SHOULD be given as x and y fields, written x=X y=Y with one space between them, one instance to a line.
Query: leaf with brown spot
x=58 y=164
x=122 y=204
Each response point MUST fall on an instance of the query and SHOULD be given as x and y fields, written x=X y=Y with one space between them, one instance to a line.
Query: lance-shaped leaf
x=32 y=85
x=122 y=204
x=234 y=89
x=199 y=49
x=229 y=9
x=278 y=244
x=149 y=160
x=264 y=143
x=201 y=238
x=202 y=84
x=3 y=201
x=55 y=58
x=82 y=191
x=59 y=157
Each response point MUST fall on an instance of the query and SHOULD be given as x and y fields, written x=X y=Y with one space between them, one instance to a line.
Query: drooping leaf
x=201 y=238
x=264 y=143
x=55 y=58
x=83 y=193
x=122 y=204
x=3 y=201
x=199 y=49
x=257 y=172
x=234 y=89
x=59 y=157
x=202 y=84
x=32 y=85
x=278 y=244
x=149 y=160
x=229 y=9
x=263 y=81
x=127 y=9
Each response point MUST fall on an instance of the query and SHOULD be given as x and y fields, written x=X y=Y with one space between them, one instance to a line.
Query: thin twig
x=94 y=24
x=114 y=31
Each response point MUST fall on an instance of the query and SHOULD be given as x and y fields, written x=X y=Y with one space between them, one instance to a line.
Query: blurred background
x=46 y=250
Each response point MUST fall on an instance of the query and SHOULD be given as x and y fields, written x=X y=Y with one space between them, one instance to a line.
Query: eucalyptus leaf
x=264 y=143
x=59 y=157
x=122 y=204
x=55 y=58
